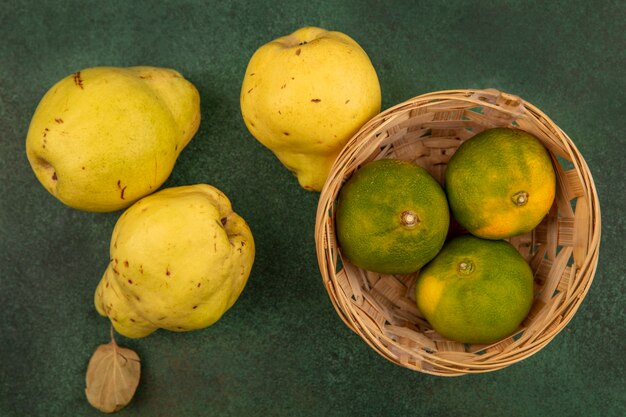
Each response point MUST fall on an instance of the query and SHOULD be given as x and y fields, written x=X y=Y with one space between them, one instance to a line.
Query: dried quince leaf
x=112 y=377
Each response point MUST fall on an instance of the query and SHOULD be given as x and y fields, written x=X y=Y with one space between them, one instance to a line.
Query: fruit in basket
x=391 y=217
x=304 y=95
x=500 y=183
x=179 y=259
x=104 y=137
x=475 y=290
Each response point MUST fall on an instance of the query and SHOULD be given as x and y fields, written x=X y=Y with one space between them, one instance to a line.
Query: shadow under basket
x=562 y=251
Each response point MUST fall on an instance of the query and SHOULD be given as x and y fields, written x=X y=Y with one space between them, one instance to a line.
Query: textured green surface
x=282 y=350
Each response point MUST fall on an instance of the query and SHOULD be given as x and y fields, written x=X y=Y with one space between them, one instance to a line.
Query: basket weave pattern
x=562 y=250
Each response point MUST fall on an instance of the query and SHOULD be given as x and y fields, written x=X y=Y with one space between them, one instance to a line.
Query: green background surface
x=282 y=350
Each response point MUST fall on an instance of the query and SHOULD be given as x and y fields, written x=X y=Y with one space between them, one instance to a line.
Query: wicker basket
x=562 y=250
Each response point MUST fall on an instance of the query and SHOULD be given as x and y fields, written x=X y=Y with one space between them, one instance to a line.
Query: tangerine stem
x=409 y=218
x=466 y=267
x=520 y=198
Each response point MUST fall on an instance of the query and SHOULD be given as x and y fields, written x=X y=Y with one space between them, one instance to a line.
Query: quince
x=304 y=95
x=179 y=259
x=104 y=137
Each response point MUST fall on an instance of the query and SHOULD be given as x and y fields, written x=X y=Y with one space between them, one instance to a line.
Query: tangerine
x=500 y=183
x=475 y=290
x=391 y=217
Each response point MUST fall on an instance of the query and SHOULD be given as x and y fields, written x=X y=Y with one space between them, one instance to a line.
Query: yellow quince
x=104 y=137
x=304 y=95
x=179 y=259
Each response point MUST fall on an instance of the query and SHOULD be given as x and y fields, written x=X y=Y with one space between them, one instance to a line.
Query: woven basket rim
x=562 y=309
